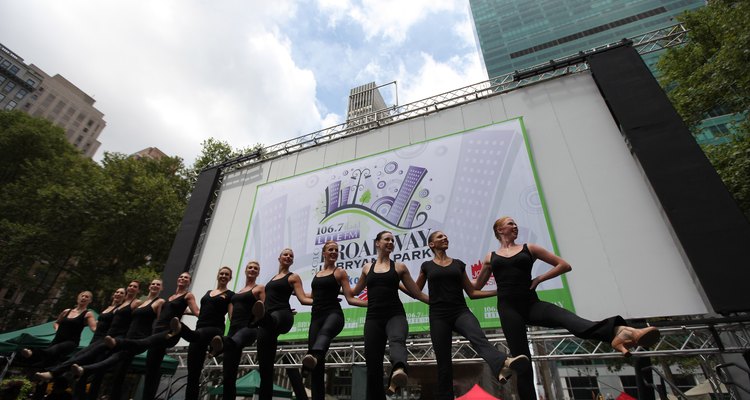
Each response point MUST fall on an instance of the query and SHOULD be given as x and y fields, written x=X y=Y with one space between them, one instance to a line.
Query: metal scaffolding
x=717 y=336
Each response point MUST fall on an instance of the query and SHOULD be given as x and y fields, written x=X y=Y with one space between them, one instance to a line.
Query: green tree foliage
x=213 y=152
x=710 y=73
x=732 y=161
x=64 y=216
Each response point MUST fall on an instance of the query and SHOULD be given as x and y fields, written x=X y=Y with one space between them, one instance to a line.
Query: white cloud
x=436 y=77
x=389 y=19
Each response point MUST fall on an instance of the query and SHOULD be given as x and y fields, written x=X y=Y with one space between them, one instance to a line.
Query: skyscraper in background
x=28 y=88
x=518 y=34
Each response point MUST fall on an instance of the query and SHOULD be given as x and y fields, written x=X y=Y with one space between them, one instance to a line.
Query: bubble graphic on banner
x=312 y=181
x=530 y=201
x=381 y=184
x=411 y=151
x=390 y=167
x=428 y=207
x=401 y=172
x=424 y=193
x=346 y=172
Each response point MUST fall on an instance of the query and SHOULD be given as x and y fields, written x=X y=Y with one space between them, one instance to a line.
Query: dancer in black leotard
x=214 y=306
x=518 y=304
x=68 y=328
x=158 y=343
x=327 y=319
x=247 y=309
x=386 y=319
x=105 y=317
x=447 y=281
x=142 y=319
x=94 y=351
x=278 y=319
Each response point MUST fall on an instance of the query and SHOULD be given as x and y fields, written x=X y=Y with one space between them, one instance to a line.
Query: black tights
x=233 y=345
x=465 y=324
x=272 y=325
x=199 y=340
x=322 y=331
x=394 y=329
x=52 y=354
x=157 y=345
x=516 y=313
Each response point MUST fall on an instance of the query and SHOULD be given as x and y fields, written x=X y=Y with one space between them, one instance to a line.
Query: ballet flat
x=628 y=338
x=517 y=363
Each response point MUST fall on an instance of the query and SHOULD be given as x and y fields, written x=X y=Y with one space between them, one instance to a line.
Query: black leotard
x=242 y=305
x=102 y=325
x=213 y=309
x=513 y=274
x=120 y=320
x=325 y=291
x=174 y=308
x=143 y=318
x=382 y=293
x=445 y=285
x=278 y=293
x=69 y=329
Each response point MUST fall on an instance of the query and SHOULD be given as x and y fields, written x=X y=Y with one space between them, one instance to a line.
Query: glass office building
x=517 y=34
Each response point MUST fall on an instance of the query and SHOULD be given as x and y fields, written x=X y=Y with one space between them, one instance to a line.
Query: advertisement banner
x=459 y=184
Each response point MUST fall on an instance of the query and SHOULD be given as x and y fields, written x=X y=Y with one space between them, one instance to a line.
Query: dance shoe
x=627 y=338
x=76 y=370
x=26 y=353
x=398 y=379
x=110 y=342
x=517 y=364
x=217 y=346
x=174 y=327
x=43 y=376
x=309 y=362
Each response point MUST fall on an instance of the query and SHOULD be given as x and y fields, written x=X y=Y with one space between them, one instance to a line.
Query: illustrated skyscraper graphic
x=412 y=179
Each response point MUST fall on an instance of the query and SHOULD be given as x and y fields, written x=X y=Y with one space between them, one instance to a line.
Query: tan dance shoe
x=627 y=338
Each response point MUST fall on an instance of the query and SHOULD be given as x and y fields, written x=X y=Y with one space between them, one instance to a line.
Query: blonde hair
x=500 y=221
x=333 y=242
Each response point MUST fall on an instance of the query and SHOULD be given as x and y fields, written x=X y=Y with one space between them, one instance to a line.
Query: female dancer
x=214 y=306
x=518 y=304
x=142 y=318
x=68 y=328
x=386 y=319
x=448 y=312
x=247 y=308
x=278 y=319
x=158 y=343
x=102 y=327
x=327 y=319
x=121 y=317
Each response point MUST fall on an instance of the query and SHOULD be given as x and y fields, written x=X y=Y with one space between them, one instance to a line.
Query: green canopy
x=248 y=385
x=41 y=336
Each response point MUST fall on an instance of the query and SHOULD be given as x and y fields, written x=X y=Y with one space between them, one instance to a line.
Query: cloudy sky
x=172 y=73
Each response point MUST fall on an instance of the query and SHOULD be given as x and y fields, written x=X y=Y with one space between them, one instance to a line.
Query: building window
x=31 y=82
x=11 y=105
x=9 y=87
x=5 y=64
x=21 y=93
x=582 y=388
x=2 y=96
x=2 y=78
x=14 y=70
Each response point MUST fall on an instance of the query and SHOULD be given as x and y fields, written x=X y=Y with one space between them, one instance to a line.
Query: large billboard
x=458 y=183
x=459 y=169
